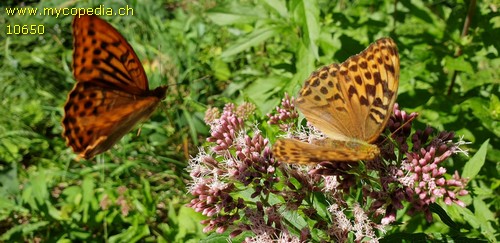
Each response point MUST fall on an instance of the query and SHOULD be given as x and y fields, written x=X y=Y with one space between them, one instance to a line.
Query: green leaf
x=494 y=107
x=458 y=64
x=474 y=165
x=24 y=229
x=222 y=19
x=485 y=217
x=146 y=190
x=133 y=233
x=189 y=221
x=487 y=111
x=278 y=6
x=9 y=181
x=255 y=38
x=468 y=216
x=221 y=69
x=260 y=92
x=53 y=211
x=307 y=14
x=435 y=208
x=88 y=196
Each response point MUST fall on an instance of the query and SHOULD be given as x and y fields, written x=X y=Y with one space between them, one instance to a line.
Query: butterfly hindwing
x=298 y=152
x=96 y=119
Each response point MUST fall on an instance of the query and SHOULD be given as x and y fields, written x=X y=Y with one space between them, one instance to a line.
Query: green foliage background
x=213 y=52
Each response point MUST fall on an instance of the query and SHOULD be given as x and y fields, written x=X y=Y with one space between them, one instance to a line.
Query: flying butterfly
x=111 y=93
x=350 y=103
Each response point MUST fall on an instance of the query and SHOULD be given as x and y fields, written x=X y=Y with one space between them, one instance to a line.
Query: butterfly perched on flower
x=350 y=103
x=111 y=93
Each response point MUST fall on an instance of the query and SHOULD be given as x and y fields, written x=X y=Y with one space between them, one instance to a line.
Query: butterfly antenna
x=202 y=78
x=198 y=79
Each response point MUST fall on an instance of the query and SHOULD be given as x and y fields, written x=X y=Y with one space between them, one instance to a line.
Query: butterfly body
x=350 y=103
x=111 y=94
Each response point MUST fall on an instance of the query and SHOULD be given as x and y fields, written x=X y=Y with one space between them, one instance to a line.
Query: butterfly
x=350 y=103
x=111 y=92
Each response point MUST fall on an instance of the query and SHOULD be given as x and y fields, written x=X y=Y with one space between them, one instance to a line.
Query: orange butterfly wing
x=350 y=103
x=111 y=94
x=298 y=152
x=102 y=55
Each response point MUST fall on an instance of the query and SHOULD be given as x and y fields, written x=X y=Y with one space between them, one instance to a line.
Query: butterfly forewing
x=102 y=55
x=111 y=94
x=349 y=102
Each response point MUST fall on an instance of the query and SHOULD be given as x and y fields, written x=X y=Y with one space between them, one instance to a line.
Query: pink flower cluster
x=286 y=114
x=239 y=162
x=428 y=182
x=240 y=187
